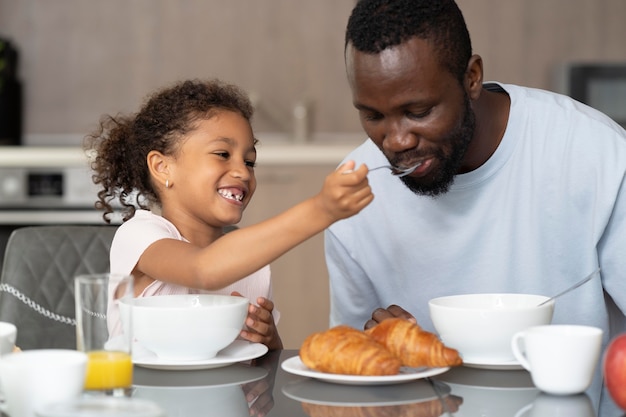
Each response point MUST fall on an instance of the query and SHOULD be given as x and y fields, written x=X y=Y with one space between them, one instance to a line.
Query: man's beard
x=439 y=182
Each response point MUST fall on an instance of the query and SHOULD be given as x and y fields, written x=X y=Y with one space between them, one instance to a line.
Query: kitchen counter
x=269 y=153
x=36 y=156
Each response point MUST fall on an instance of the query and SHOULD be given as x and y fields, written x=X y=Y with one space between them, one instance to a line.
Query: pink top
x=133 y=238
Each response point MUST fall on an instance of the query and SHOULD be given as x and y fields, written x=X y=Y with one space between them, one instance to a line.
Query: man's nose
x=399 y=137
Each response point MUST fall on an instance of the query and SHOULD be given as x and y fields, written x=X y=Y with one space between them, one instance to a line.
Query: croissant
x=345 y=350
x=414 y=346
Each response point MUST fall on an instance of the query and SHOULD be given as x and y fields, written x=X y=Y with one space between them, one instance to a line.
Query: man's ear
x=474 y=77
x=158 y=165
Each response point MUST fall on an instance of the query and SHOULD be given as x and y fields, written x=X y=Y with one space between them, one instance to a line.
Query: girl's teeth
x=230 y=195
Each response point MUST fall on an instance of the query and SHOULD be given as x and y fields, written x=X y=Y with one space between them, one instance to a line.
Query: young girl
x=183 y=170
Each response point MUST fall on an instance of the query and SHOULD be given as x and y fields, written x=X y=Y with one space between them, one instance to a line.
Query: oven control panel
x=50 y=187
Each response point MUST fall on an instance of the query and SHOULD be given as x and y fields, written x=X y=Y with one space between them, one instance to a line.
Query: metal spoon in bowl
x=573 y=287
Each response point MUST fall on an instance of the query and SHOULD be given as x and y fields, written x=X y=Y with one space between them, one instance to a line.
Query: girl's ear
x=158 y=165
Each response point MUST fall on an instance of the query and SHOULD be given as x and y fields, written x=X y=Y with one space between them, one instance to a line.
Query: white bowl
x=33 y=379
x=480 y=326
x=187 y=327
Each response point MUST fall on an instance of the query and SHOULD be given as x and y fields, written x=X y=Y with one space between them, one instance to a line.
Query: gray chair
x=37 y=281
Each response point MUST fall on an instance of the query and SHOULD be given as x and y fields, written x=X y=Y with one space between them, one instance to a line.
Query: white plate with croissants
x=295 y=366
x=395 y=350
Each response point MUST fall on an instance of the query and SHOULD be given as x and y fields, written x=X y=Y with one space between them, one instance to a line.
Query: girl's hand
x=346 y=191
x=260 y=326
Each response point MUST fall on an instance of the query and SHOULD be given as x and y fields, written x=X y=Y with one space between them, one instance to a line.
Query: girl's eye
x=251 y=164
x=223 y=154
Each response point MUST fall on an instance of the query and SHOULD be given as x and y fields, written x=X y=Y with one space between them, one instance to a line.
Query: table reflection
x=490 y=393
x=261 y=388
x=546 y=405
x=235 y=390
x=418 y=398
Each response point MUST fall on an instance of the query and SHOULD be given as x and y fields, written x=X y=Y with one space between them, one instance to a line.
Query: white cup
x=561 y=358
x=8 y=334
x=37 y=378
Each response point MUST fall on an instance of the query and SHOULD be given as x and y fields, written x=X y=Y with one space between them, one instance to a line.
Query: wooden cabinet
x=300 y=277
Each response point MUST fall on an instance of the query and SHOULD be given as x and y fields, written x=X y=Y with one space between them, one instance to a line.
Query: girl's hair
x=121 y=144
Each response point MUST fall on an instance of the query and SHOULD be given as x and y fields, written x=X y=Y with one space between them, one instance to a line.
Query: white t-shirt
x=544 y=211
x=144 y=228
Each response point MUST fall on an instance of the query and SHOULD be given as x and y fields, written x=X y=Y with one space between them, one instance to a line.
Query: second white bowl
x=480 y=326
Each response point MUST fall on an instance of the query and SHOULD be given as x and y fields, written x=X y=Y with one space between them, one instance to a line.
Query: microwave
x=599 y=85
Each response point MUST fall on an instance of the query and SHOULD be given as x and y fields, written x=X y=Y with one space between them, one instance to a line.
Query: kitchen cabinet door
x=300 y=277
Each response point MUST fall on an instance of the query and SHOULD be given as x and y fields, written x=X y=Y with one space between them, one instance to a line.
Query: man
x=519 y=190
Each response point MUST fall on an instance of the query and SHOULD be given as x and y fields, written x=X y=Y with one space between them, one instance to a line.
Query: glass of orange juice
x=103 y=331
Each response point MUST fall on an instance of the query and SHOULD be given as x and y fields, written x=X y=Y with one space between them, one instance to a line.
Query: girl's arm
x=244 y=251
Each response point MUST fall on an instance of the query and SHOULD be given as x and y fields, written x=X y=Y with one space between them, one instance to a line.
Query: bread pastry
x=346 y=350
x=414 y=346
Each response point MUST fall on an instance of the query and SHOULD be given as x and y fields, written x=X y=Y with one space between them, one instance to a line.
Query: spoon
x=395 y=170
x=399 y=171
x=573 y=287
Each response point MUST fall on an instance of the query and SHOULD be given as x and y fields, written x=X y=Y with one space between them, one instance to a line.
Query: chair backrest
x=37 y=281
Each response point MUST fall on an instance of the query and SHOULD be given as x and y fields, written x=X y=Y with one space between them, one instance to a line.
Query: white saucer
x=238 y=351
x=295 y=366
x=487 y=379
x=235 y=374
x=494 y=365
x=102 y=406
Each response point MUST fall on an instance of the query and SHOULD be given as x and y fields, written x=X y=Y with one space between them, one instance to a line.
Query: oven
x=45 y=186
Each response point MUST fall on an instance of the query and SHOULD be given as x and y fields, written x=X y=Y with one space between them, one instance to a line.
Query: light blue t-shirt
x=545 y=210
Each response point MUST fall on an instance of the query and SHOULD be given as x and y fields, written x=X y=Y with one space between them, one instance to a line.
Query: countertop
x=267 y=154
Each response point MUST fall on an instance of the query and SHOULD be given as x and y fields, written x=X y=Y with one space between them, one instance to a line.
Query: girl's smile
x=233 y=194
x=219 y=154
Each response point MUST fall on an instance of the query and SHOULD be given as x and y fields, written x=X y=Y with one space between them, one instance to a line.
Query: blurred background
x=79 y=59
x=65 y=63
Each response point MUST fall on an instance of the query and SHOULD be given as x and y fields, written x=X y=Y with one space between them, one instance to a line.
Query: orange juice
x=108 y=370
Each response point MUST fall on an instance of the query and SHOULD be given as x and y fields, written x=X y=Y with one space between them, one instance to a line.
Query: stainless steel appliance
x=41 y=186
x=601 y=85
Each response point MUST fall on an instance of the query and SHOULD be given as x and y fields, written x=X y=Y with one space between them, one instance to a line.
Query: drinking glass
x=109 y=366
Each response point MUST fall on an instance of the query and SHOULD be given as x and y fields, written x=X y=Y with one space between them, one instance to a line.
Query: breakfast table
x=271 y=386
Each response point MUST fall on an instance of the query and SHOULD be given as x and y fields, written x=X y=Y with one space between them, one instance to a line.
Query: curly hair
x=121 y=144
x=376 y=25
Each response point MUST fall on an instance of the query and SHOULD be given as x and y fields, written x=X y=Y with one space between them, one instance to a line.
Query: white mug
x=8 y=334
x=561 y=358
x=36 y=378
